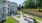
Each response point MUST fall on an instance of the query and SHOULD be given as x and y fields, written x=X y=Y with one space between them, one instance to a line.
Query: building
x=6 y=7
x=3 y=10
x=12 y=7
x=23 y=4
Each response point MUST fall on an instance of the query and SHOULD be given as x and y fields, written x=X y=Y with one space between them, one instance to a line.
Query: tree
x=33 y=4
x=22 y=7
x=27 y=3
x=40 y=3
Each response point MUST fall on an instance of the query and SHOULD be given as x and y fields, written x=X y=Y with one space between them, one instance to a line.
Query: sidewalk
x=15 y=17
x=19 y=19
x=24 y=20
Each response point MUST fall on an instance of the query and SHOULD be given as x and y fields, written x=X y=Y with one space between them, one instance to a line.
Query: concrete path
x=15 y=17
x=24 y=20
x=19 y=19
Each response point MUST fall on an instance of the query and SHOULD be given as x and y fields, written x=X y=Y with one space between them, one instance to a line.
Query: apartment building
x=12 y=7
x=3 y=9
x=23 y=4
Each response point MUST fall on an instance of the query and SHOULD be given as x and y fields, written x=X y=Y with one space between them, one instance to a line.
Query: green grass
x=34 y=16
x=37 y=18
x=24 y=16
x=19 y=12
x=38 y=22
x=11 y=20
x=18 y=16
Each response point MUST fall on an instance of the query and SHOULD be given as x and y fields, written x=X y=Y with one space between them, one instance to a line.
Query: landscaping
x=33 y=11
x=35 y=14
x=37 y=18
x=38 y=22
x=18 y=16
x=19 y=12
x=11 y=20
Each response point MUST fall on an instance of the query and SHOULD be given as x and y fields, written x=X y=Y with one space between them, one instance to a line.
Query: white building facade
x=12 y=7
x=3 y=9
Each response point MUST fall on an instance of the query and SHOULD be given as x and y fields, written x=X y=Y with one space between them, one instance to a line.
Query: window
x=4 y=9
x=13 y=6
x=0 y=9
x=4 y=15
x=0 y=3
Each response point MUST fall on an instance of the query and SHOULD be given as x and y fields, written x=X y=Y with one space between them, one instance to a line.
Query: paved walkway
x=15 y=17
x=21 y=19
x=24 y=20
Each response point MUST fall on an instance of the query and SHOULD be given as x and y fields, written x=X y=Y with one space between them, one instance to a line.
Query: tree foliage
x=32 y=4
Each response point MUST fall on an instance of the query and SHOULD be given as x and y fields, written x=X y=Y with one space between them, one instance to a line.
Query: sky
x=17 y=1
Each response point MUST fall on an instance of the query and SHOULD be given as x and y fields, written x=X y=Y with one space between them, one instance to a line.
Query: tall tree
x=40 y=3
x=27 y=3
x=33 y=3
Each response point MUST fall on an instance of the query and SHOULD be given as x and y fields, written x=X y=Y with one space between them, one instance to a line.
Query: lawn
x=38 y=22
x=32 y=13
x=33 y=16
x=37 y=18
x=19 y=12
x=40 y=19
x=18 y=16
x=11 y=20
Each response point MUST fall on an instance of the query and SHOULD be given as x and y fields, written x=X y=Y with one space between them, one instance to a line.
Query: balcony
x=5 y=5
